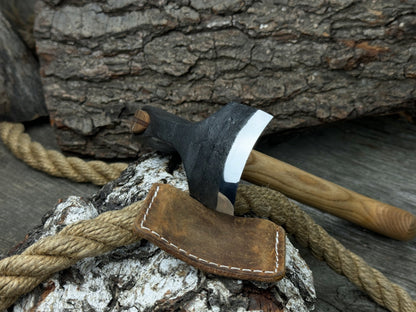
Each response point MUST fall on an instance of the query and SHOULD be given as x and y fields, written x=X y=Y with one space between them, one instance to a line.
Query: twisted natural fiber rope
x=53 y=162
x=268 y=203
x=20 y=274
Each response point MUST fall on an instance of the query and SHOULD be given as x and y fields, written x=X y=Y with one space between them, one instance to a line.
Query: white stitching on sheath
x=198 y=258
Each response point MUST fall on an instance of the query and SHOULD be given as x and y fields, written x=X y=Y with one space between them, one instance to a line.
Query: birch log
x=141 y=277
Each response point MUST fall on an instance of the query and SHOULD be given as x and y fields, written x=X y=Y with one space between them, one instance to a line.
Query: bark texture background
x=306 y=62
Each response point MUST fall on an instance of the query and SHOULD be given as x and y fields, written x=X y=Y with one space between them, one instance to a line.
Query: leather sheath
x=214 y=242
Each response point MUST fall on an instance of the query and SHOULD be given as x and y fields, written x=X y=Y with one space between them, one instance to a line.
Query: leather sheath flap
x=243 y=248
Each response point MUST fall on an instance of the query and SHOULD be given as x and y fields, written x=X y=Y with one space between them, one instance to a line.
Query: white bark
x=141 y=277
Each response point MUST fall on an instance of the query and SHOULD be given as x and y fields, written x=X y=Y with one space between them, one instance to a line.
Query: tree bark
x=306 y=62
x=141 y=277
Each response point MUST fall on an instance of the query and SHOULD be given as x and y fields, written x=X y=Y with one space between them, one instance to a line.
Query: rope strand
x=55 y=163
x=21 y=273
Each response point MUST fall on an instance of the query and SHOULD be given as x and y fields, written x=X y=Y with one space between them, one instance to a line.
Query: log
x=141 y=277
x=305 y=62
x=21 y=15
x=21 y=95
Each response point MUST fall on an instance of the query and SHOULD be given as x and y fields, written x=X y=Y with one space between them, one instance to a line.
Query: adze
x=217 y=152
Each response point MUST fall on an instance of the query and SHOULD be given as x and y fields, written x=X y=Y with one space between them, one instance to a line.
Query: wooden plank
x=26 y=194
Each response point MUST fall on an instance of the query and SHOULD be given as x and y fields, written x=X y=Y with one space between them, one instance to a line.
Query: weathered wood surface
x=306 y=62
x=21 y=95
x=141 y=277
x=26 y=194
x=374 y=156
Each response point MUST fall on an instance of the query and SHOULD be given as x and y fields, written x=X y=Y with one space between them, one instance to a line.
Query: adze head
x=214 y=151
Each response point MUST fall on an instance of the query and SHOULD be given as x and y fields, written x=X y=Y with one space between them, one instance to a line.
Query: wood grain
x=314 y=191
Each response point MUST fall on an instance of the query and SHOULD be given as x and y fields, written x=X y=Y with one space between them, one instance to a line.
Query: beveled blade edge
x=243 y=145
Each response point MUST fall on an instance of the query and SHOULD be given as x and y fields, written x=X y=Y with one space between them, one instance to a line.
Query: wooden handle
x=327 y=196
x=140 y=122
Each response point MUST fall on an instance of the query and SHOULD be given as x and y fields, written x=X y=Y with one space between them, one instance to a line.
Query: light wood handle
x=327 y=196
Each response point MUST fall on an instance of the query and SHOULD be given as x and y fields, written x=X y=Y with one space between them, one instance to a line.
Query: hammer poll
x=217 y=152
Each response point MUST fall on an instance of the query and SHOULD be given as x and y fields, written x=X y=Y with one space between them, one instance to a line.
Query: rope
x=21 y=273
x=265 y=202
x=55 y=163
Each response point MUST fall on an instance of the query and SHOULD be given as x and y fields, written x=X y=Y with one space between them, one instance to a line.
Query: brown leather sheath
x=243 y=248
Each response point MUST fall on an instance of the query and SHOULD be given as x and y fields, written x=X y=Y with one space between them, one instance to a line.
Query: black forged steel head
x=214 y=151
